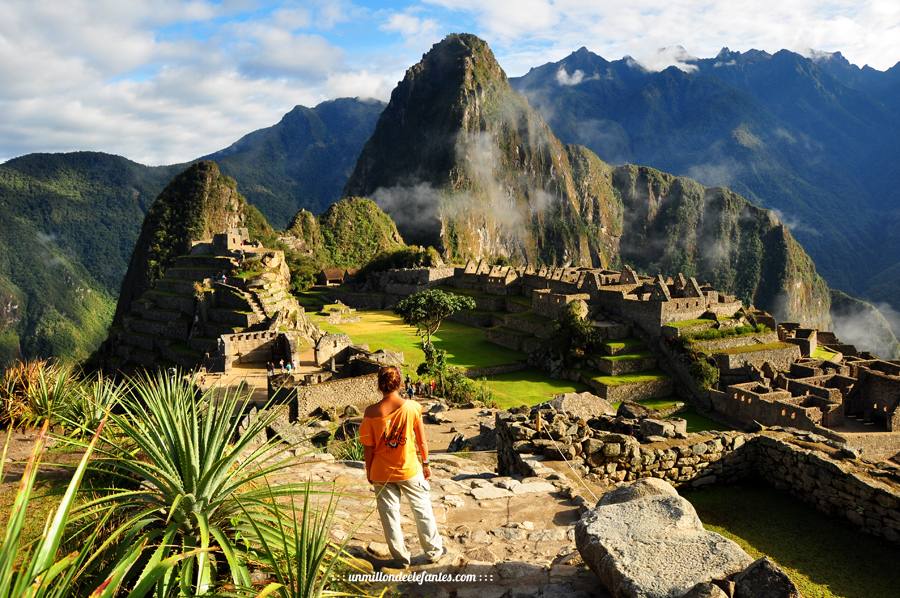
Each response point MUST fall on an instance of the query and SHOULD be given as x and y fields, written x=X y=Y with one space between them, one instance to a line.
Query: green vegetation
x=704 y=373
x=826 y=557
x=528 y=387
x=628 y=356
x=427 y=310
x=180 y=504
x=691 y=323
x=623 y=344
x=733 y=331
x=823 y=353
x=754 y=347
x=410 y=256
x=36 y=570
x=699 y=423
x=466 y=346
x=648 y=376
x=355 y=230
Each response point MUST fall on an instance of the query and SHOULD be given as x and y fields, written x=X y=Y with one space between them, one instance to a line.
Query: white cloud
x=117 y=77
x=564 y=78
x=865 y=31
x=166 y=81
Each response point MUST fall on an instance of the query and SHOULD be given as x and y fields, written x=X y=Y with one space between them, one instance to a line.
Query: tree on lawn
x=427 y=310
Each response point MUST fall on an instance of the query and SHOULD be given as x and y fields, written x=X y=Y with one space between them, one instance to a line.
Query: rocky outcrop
x=764 y=578
x=582 y=404
x=654 y=545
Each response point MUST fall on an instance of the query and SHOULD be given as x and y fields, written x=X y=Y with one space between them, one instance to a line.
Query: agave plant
x=49 y=395
x=294 y=546
x=93 y=399
x=185 y=472
x=37 y=570
x=17 y=379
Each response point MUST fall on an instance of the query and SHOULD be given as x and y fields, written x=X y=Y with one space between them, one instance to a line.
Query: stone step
x=171 y=301
x=656 y=385
x=625 y=363
x=175 y=285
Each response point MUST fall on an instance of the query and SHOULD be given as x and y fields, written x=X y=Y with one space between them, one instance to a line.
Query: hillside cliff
x=461 y=161
x=814 y=137
x=349 y=234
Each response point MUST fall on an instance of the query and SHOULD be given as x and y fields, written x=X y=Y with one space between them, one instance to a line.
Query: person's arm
x=366 y=439
x=369 y=454
x=422 y=445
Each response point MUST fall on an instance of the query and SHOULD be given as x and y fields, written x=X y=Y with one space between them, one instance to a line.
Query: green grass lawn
x=466 y=346
x=699 y=423
x=823 y=353
x=625 y=343
x=647 y=376
x=689 y=323
x=628 y=356
x=528 y=387
x=825 y=557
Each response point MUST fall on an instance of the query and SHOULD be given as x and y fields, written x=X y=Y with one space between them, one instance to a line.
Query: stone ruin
x=628 y=446
x=227 y=303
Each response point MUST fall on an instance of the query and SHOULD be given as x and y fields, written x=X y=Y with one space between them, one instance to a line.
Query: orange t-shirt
x=393 y=436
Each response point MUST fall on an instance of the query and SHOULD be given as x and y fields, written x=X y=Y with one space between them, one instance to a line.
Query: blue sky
x=163 y=81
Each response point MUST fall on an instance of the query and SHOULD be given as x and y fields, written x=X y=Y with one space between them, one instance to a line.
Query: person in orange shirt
x=393 y=439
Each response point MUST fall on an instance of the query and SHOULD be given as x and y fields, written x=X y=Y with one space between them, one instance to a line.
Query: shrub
x=704 y=373
x=185 y=476
x=35 y=570
x=294 y=546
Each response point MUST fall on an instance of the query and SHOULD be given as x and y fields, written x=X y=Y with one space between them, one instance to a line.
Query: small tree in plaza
x=427 y=310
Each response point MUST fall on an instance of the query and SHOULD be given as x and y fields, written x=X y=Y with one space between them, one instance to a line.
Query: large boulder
x=640 y=489
x=583 y=405
x=764 y=579
x=653 y=545
x=632 y=410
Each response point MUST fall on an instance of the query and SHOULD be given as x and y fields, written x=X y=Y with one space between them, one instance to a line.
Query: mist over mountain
x=814 y=138
x=460 y=160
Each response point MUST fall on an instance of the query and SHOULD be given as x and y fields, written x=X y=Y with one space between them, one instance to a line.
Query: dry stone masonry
x=610 y=449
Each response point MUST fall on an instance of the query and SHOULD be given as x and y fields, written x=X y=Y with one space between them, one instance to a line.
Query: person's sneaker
x=441 y=558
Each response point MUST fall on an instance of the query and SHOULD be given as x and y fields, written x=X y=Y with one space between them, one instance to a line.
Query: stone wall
x=252 y=347
x=851 y=491
x=333 y=394
x=617 y=457
x=806 y=464
x=780 y=359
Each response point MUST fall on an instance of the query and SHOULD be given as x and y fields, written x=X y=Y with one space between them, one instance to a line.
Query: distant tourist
x=281 y=366
x=396 y=455
x=289 y=367
x=433 y=385
x=270 y=369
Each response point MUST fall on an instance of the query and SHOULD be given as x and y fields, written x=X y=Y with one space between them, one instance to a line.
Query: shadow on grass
x=822 y=555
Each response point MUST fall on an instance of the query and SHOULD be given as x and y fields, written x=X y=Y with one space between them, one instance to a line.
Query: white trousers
x=416 y=491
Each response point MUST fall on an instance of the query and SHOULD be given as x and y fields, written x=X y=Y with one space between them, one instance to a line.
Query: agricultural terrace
x=468 y=347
